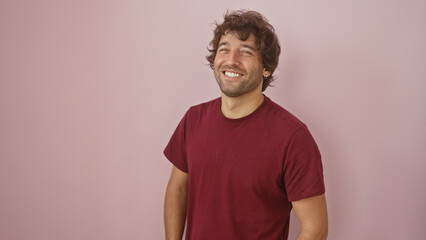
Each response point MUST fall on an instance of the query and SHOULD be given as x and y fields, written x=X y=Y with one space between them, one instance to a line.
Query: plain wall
x=91 y=91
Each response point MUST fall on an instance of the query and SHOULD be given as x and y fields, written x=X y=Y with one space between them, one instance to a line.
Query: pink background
x=91 y=91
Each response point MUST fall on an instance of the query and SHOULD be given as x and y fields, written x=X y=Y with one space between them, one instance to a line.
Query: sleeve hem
x=182 y=168
x=303 y=196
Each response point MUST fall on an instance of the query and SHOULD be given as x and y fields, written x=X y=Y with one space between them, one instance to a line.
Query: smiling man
x=242 y=162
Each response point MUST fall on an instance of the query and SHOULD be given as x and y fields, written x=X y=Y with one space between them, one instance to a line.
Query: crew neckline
x=241 y=119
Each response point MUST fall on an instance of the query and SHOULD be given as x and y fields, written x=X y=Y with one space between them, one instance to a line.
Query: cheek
x=218 y=60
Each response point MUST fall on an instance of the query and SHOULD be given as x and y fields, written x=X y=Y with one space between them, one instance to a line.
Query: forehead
x=231 y=38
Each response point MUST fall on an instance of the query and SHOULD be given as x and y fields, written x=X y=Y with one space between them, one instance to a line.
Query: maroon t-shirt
x=243 y=173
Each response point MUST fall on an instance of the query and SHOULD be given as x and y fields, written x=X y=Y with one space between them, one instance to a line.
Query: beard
x=239 y=87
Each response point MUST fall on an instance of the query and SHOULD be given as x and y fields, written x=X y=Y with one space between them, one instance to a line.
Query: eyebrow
x=248 y=46
x=243 y=45
x=222 y=44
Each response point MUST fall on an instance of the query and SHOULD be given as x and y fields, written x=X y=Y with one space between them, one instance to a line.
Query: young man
x=242 y=162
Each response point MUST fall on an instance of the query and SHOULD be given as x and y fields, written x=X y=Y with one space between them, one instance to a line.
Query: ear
x=266 y=73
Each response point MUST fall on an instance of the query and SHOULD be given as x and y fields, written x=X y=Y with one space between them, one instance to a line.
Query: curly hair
x=245 y=23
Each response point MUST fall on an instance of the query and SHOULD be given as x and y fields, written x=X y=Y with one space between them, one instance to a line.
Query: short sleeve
x=175 y=150
x=303 y=171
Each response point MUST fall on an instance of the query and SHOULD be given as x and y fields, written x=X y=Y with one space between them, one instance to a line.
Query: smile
x=232 y=74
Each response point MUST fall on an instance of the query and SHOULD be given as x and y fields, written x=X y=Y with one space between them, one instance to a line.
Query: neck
x=241 y=106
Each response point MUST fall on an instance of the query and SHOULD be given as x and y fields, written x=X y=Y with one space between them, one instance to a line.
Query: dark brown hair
x=244 y=23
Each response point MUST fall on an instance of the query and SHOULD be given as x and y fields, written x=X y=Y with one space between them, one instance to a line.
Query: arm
x=312 y=215
x=175 y=204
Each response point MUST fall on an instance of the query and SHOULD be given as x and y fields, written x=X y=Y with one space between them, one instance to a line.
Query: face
x=237 y=67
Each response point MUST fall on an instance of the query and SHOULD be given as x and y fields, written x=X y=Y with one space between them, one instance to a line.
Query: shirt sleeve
x=303 y=171
x=175 y=150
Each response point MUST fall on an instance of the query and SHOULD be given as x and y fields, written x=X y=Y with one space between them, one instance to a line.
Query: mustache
x=231 y=68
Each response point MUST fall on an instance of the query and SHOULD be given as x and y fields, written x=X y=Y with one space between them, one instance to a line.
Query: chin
x=232 y=95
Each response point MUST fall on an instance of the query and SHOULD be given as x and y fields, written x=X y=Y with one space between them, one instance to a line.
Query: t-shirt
x=243 y=173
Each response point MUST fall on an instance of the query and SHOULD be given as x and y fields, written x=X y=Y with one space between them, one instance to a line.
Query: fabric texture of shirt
x=244 y=173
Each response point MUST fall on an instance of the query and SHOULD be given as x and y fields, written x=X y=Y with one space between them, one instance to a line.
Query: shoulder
x=202 y=109
x=282 y=116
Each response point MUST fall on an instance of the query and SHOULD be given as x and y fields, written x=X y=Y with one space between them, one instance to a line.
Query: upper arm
x=312 y=215
x=178 y=180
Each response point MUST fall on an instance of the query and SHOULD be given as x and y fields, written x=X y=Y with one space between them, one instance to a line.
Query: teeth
x=230 y=74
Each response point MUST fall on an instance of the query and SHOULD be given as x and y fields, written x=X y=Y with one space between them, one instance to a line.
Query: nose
x=233 y=58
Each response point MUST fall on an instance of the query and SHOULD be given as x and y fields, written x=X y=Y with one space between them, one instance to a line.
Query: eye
x=222 y=50
x=246 y=52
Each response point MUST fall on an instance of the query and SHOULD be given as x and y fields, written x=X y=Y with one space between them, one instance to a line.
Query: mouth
x=232 y=74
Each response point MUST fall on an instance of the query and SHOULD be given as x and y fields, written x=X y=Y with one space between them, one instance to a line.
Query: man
x=242 y=162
